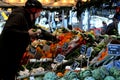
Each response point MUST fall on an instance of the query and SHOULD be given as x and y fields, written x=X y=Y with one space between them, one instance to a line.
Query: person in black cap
x=112 y=28
x=16 y=36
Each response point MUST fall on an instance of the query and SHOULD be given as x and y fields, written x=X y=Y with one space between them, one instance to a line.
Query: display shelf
x=35 y=74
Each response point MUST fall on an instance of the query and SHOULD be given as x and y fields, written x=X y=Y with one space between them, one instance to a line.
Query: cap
x=33 y=4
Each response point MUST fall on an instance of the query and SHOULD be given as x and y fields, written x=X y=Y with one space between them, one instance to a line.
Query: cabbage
x=62 y=78
x=84 y=74
x=100 y=73
x=112 y=70
x=115 y=72
x=70 y=75
x=118 y=78
x=104 y=71
x=97 y=74
x=109 y=78
x=75 y=79
x=89 y=78
x=50 y=76
x=38 y=78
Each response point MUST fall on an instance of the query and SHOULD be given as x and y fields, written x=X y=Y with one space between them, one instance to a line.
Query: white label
x=89 y=51
x=83 y=49
x=114 y=49
x=74 y=65
x=60 y=58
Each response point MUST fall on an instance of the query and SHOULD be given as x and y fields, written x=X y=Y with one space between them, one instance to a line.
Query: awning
x=60 y=4
x=4 y=4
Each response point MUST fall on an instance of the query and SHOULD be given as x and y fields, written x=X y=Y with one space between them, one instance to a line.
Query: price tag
x=75 y=65
x=60 y=58
x=115 y=64
x=65 y=46
x=114 y=49
x=89 y=51
x=32 y=78
x=83 y=49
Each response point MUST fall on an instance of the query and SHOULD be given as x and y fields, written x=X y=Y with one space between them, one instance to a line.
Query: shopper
x=112 y=28
x=16 y=36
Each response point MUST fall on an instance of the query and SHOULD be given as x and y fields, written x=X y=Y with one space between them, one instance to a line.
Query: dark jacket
x=112 y=29
x=14 y=39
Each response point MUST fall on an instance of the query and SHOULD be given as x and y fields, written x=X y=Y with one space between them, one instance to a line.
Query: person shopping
x=16 y=36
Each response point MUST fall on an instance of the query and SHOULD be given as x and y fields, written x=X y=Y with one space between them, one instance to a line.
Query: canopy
x=61 y=4
x=4 y=4
x=45 y=3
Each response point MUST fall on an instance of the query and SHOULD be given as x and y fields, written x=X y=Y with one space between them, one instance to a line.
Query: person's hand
x=33 y=33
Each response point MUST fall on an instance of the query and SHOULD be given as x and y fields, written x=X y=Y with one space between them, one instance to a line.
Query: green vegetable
x=62 y=78
x=104 y=71
x=38 y=78
x=109 y=78
x=50 y=76
x=89 y=78
x=118 y=78
x=97 y=74
x=114 y=72
x=70 y=75
x=85 y=73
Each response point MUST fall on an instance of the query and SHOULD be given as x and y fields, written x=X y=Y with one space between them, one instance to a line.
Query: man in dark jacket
x=16 y=36
x=112 y=28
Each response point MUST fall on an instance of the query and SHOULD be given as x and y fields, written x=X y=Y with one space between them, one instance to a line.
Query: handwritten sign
x=75 y=65
x=65 y=46
x=114 y=49
x=83 y=49
x=89 y=51
x=60 y=58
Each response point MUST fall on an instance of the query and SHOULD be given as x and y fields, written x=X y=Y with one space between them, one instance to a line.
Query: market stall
x=75 y=56
x=78 y=54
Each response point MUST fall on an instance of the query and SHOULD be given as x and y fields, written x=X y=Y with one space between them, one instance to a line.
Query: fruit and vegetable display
x=100 y=73
x=84 y=52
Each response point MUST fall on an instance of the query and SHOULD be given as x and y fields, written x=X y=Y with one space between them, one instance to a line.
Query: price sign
x=65 y=46
x=32 y=78
x=114 y=49
x=75 y=65
x=89 y=51
x=60 y=58
x=83 y=49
